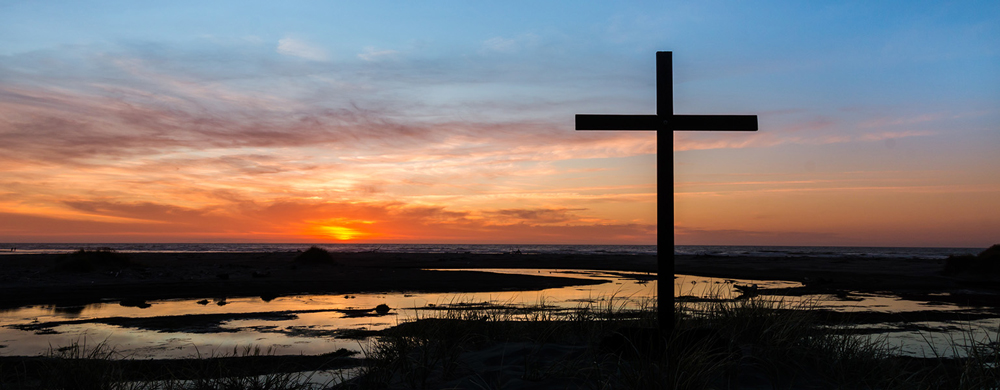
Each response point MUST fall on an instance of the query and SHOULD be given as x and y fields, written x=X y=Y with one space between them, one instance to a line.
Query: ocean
x=716 y=250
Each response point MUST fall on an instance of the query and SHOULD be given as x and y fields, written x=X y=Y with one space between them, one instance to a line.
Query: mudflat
x=27 y=279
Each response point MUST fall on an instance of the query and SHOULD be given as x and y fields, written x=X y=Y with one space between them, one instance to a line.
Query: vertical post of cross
x=664 y=180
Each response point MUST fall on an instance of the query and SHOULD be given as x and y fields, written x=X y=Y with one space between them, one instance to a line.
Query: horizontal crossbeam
x=674 y=122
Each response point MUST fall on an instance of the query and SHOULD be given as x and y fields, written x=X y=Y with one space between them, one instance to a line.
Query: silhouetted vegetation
x=99 y=366
x=718 y=344
x=986 y=262
x=745 y=343
x=315 y=255
x=89 y=260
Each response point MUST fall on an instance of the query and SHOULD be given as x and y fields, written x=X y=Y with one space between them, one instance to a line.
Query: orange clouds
x=321 y=221
x=153 y=155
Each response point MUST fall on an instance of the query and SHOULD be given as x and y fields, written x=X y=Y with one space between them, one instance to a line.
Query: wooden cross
x=666 y=121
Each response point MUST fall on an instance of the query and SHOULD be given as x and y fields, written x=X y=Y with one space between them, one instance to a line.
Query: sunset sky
x=452 y=122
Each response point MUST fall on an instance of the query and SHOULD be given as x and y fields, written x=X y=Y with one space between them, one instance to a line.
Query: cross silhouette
x=666 y=121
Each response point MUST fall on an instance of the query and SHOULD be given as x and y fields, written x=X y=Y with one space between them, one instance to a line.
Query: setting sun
x=340 y=229
x=341 y=233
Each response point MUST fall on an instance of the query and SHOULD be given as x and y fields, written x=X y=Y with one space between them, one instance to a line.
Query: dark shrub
x=959 y=264
x=993 y=253
x=315 y=255
x=987 y=262
x=85 y=260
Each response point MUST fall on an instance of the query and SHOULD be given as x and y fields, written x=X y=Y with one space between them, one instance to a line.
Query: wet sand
x=27 y=279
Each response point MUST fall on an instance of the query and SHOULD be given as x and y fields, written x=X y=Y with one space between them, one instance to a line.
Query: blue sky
x=453 y=121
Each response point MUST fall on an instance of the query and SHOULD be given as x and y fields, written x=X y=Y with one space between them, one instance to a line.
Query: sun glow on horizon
x=341 y=233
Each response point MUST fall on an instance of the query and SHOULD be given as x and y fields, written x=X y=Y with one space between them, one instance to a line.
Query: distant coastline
x=481 y=249
x=696 y=250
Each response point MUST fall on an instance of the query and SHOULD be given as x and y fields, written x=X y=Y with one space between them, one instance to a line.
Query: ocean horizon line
x=448 y=243
x=579 y=249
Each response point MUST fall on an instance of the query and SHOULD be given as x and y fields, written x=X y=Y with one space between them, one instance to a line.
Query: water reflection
x=317 y=324
x=701 y=287
x=305 y=324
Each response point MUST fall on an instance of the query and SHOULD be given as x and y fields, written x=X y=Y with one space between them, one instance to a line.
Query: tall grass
x=783 y=343
x=977 y=368
x=98 y=366
x=718 y=344
x=431 y=350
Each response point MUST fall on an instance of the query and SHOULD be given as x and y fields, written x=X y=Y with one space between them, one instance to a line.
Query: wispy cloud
x=886 y=135
x=299 y=48
x=502 y=45
x=814 y=131
x=372 y=54
x=898 y=121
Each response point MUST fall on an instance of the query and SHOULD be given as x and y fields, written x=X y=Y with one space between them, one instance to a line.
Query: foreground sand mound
x=992 y=253
x=315 y=255
x=84 y=260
